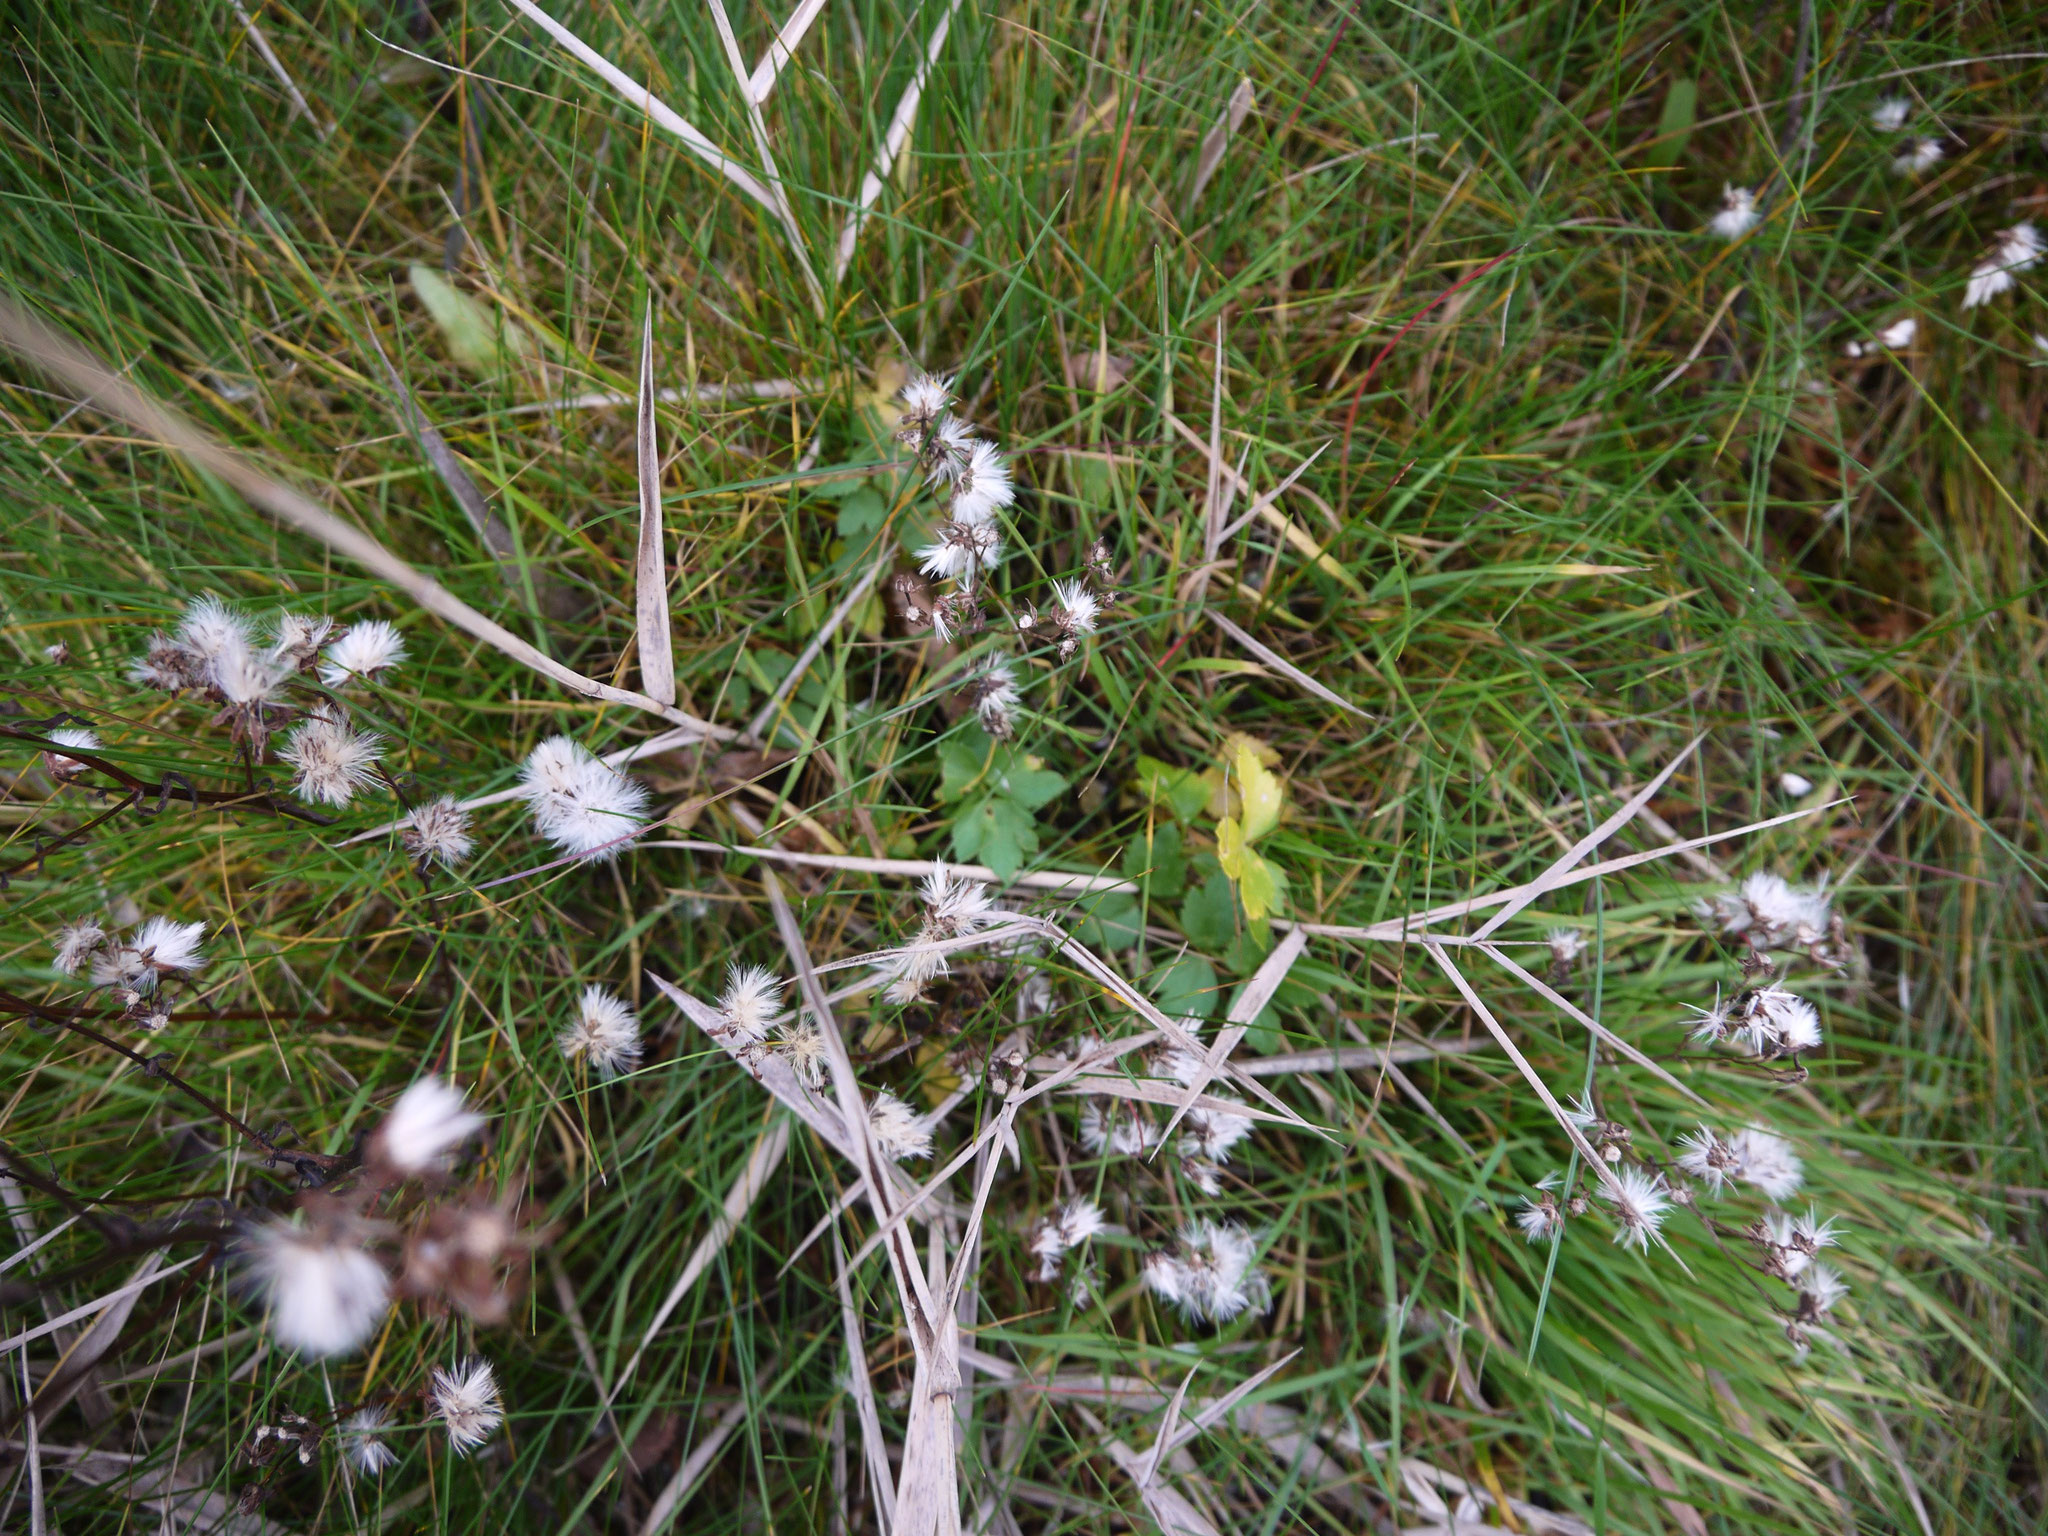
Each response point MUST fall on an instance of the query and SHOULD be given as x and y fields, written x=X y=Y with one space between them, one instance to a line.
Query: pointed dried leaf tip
x=650 y=585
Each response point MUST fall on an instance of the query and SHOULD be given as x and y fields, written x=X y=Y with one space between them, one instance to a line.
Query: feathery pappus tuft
x=896 y=1130
x=76 y=943
x=77 y=737
x=1765 y=1161
x=1117 y=1128
x=982 y=487
x=1566 y=946
x=992 y=689
x=296 y=638
x=946 y=449
x=2015 y=250
x=1641 y=1201
x=1820 y=1289
x=167 y=666
x=159 y=947
x=1919 y=157
x=427 y=1123
x=362 y=1441
x=1079 y=608
x=1769 y=910
x=465 y=1399
x=437 y=832
x=962 y=552
x=363 y=651
x=211 y=630
x=1779 y=1022
x=1707 y=1158
x=751 y=1004
x=1889 y=115
x=925 y=399
x=1737 y=215
x=332 y=761
x=1211 y=1274
x=605 y=1033
x=1064 y=1230
x=1540 y=1217
x=954 y=905
x=579 y=803
x=801 y=1043
x=326 y=1292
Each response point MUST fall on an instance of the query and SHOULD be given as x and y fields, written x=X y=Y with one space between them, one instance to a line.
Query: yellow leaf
x=1230 y=849
x=1260 y=791
x=1259 y=887
x=478 y=337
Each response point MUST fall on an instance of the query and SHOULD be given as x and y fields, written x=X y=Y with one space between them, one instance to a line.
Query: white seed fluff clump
x=1769 y=910
x=953 y=908
x=751 y=1004
x=326 y=1294
x=365 y=650
x=1765 y=1161
x=1737 y=215
x=465 y=1399
x=580 y=804
x=1063 y=1231
x=437 y=832
x=429 y=1121
x=1211 y=1274
x=159 y=948
x=333 y=761
x=604 y=1032
x=362 y=1441
x=2015 y=250
x=75 y=944
x=802 y=1044
x=77 y=737
x=896 y=1130
x=1641 y=1201
x=1918 y=157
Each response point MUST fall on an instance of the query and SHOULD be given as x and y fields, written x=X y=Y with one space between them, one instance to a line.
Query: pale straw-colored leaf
x=276 y=67
x=781 y=49
x=766 y=1068
x=64 y=360
x=1213 y=1412
x=650 y=569
x=1218 y=138
x=98 y=1305
x=1168 y=1424
x=1594 y=1027
x=1258 y=992
x=689 y=394
x=634 y=94
x=669 y=1502
x=1283 y=666
x=1354 y=1058
x=893 y=140
x=485 y=523
x=881 y=1477
x=1565 y=861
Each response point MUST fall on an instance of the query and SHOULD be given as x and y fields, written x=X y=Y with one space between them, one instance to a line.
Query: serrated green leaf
x=1007 y=834
x=1182 y=791
x=1154 y=859
x=861 y=513
x=1209 y=915
x=1029 y=787
x=1259 y=885
x=1111 y=920
x=1186 y=989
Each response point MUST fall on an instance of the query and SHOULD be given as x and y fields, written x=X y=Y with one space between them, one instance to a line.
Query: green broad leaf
x=1109 y=920
x=1183 y=791
x=861 y=512
x=1674 y=124
x=1186 y=989
x=1249 y=946
x=1031 y=788
x=1154 y=859
x=997 y=831
x=478 y=337
x=964 y=761
x=1209 y=915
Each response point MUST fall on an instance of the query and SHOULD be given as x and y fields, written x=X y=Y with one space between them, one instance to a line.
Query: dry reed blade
x=489 y=528
x=650 y=570
x=893 y=140
x=63 y=359
x=1257 y=993
x=781 y=49
x=1599 y=1031
x=1217 y=140
x=1284 y=667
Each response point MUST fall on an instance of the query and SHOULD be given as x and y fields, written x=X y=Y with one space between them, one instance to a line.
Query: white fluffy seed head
x=243 y=676
x=429 y=1121
x=465 y=1399
x=1539 y=1218
x=955 y=906
x=326 y=1294
x=992 y=689
x=75 y=944
x=1783 y=1021
x=1566 y=945
x=1212 y=1133
x=1080 y=608
x=210 y=629
x=1919 y=157
x=1211 y=1275
x=437 y=831
x=78 y=737
x=1737 y=215
x=925 y=399
x=1765 y=1161
x=362 y=1441
x=896 y=1130
x=1641 y=1202
x=802 y=1044
x=295 y=638
x=1117 y=1129
x=363 y=651
x=1822 y=1287
x=332 y=762
x=2015 y=250
x=1707 y=1158
x=982 y=487
x=751 y=1004
x=604 y=1033
x=1889 y=115
x=948 y=448
x=579 y=803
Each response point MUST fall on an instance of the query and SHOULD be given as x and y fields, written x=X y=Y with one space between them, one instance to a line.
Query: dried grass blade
x=1408 y=929
x=276 y=66
x=1274 y=517
x=873 y=1447
x=1169 y=1423
x=1521 y=1062
x=97 y=1305
x=489 y=528
x=1212 y=1412
x=65 y=360
x=1599 y=1031
x=1284 y=667
x=650 y=571
x=1257 y=993
x=1170 y=1509
x=771 y=1071
x=761 y=1164
x=634 y=94
x=909 y=869
x=1262 y=503
x=782 y=49
x=893 y=140
x=1217 y=140
x=1354 y=1058
x=1213 y=510
x=759 y=125
x=1585 y=845
x=700 y=394
x=815 y=646
x=695 y=1465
